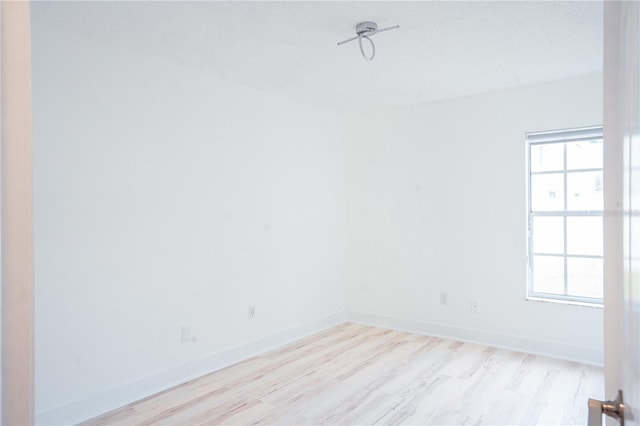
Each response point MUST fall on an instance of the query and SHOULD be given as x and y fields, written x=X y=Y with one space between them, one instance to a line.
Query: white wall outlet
x=444 y=300
x=252 y=311
x=475 y=306
x=185 y=334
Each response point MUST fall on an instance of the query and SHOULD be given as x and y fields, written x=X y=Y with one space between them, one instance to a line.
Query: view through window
x=565 y=215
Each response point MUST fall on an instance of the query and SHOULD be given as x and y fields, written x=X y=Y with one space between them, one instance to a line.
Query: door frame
x=613 y=184
x=622 y=241
x=17 y=315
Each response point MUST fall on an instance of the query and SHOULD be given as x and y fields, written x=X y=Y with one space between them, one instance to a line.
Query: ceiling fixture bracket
x=365 y=30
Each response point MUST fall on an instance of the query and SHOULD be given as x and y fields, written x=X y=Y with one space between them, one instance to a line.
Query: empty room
x=323 y=212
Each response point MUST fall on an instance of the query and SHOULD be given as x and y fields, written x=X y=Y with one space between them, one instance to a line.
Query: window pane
x=584 y=277
x=547 y=157
x=584 y=155
x=548 y=274
x=584 y=191
x=548 y=235
x=547 y=192
x=584 y=235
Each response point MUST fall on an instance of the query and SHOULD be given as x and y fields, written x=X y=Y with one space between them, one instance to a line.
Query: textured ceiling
x=442 y=49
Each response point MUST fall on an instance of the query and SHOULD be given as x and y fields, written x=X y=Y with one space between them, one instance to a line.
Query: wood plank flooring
x=355 y=374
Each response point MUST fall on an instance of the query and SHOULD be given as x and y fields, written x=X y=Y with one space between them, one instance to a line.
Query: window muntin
x=565 y=210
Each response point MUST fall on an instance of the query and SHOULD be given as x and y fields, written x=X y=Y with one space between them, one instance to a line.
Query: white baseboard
x=141 y=388
x=586 y=355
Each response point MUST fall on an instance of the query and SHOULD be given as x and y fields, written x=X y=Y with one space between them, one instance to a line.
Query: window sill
x=564 y=302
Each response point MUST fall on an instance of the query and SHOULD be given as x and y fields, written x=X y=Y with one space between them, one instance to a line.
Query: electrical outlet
x=443 y=298
x=185 y=334
x=252 y=311
x=475 y=307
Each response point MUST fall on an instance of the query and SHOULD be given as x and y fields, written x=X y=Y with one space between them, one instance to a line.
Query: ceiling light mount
x=365 y=30
x=366 y=27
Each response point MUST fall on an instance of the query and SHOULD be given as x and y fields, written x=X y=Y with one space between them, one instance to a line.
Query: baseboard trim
x=95 y=405
x=85 y=409
x=586 y=355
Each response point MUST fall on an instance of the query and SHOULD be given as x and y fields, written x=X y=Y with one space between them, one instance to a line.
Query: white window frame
x=556 y=137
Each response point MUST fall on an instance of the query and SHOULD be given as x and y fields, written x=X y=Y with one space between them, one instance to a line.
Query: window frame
x=563 y=137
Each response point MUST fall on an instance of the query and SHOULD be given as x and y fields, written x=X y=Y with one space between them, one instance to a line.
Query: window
x=564 y=230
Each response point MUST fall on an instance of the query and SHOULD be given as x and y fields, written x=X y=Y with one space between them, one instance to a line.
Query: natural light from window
x=565 y=257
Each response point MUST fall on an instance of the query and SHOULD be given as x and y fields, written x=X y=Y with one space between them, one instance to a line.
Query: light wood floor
x=355 y=374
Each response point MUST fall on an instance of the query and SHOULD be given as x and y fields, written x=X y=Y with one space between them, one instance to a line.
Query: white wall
x=436 y=202
x=165 y=198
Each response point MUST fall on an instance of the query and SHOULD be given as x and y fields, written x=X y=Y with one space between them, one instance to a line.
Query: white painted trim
x=17 y=335
x=586 y=355
x=145 y=386
x=614 y=91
